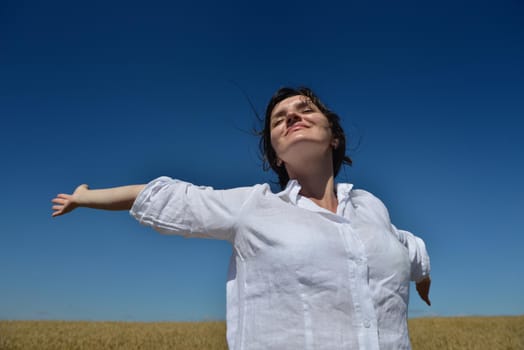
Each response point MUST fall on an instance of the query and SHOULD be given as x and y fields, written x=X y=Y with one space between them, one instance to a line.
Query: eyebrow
x=299 y=105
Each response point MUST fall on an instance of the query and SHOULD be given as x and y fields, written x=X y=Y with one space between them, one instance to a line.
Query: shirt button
x=367 y=324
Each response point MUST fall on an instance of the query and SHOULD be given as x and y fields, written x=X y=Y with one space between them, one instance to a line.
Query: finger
x=58 y=200
x=424 y=297
x=63 y=195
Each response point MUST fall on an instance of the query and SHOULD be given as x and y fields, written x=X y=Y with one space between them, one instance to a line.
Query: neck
x=317 y=183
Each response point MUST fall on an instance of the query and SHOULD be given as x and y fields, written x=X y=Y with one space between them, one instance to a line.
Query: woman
x=316 y=266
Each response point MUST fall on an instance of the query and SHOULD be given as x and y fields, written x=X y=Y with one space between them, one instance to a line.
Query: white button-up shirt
x=300 y=276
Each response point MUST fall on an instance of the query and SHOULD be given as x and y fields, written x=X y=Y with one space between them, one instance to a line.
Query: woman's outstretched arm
x=116 y=198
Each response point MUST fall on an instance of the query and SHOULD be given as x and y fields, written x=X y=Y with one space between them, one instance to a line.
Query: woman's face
x=298 y=127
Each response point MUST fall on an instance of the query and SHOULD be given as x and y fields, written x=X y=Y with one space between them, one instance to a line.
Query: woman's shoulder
x=365 y=200
x=362 y=194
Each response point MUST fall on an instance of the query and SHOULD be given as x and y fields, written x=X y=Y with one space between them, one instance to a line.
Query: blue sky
x=113 y=93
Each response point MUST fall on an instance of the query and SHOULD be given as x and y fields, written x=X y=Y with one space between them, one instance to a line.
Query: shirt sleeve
x=418 y=255
x=176 y=207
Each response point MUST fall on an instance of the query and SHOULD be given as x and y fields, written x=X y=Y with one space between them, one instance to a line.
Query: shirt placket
x=360 y=292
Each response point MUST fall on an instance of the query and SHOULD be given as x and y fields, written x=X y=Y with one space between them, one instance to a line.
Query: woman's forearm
x=116 y=198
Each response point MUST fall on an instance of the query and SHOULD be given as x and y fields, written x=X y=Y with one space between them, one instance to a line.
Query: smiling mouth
x=295 y=128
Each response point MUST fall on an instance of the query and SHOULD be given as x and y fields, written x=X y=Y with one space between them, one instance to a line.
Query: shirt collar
x=290 y=193
x=343 y=190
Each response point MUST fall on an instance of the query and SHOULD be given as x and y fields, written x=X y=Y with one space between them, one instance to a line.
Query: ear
x=334 y=143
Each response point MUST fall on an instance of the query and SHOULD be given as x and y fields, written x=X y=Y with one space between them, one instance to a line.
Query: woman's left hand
x=423 y=289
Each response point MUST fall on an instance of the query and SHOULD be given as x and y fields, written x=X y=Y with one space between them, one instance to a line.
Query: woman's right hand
x=423 y=289
x=64 y=203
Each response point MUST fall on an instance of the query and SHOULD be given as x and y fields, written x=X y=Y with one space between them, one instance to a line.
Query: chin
x=305 y=149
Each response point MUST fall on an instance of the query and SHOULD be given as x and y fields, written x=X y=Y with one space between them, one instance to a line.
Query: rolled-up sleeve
x=418 y=255
x=172 y=206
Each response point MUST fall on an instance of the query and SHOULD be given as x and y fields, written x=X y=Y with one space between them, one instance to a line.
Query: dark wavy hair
x=268 y=153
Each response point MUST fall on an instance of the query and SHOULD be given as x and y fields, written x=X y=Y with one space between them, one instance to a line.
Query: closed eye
x=277 y=122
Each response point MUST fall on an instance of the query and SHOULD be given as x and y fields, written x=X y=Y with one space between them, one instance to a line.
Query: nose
x=292 y=118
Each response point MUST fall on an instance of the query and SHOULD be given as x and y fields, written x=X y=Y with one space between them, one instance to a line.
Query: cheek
x=274 y=140
x=326 y=126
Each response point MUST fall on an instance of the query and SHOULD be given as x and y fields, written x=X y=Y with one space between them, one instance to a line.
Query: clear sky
x=111 y=93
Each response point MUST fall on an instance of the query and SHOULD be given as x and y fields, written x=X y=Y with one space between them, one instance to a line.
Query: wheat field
x=457 y=333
